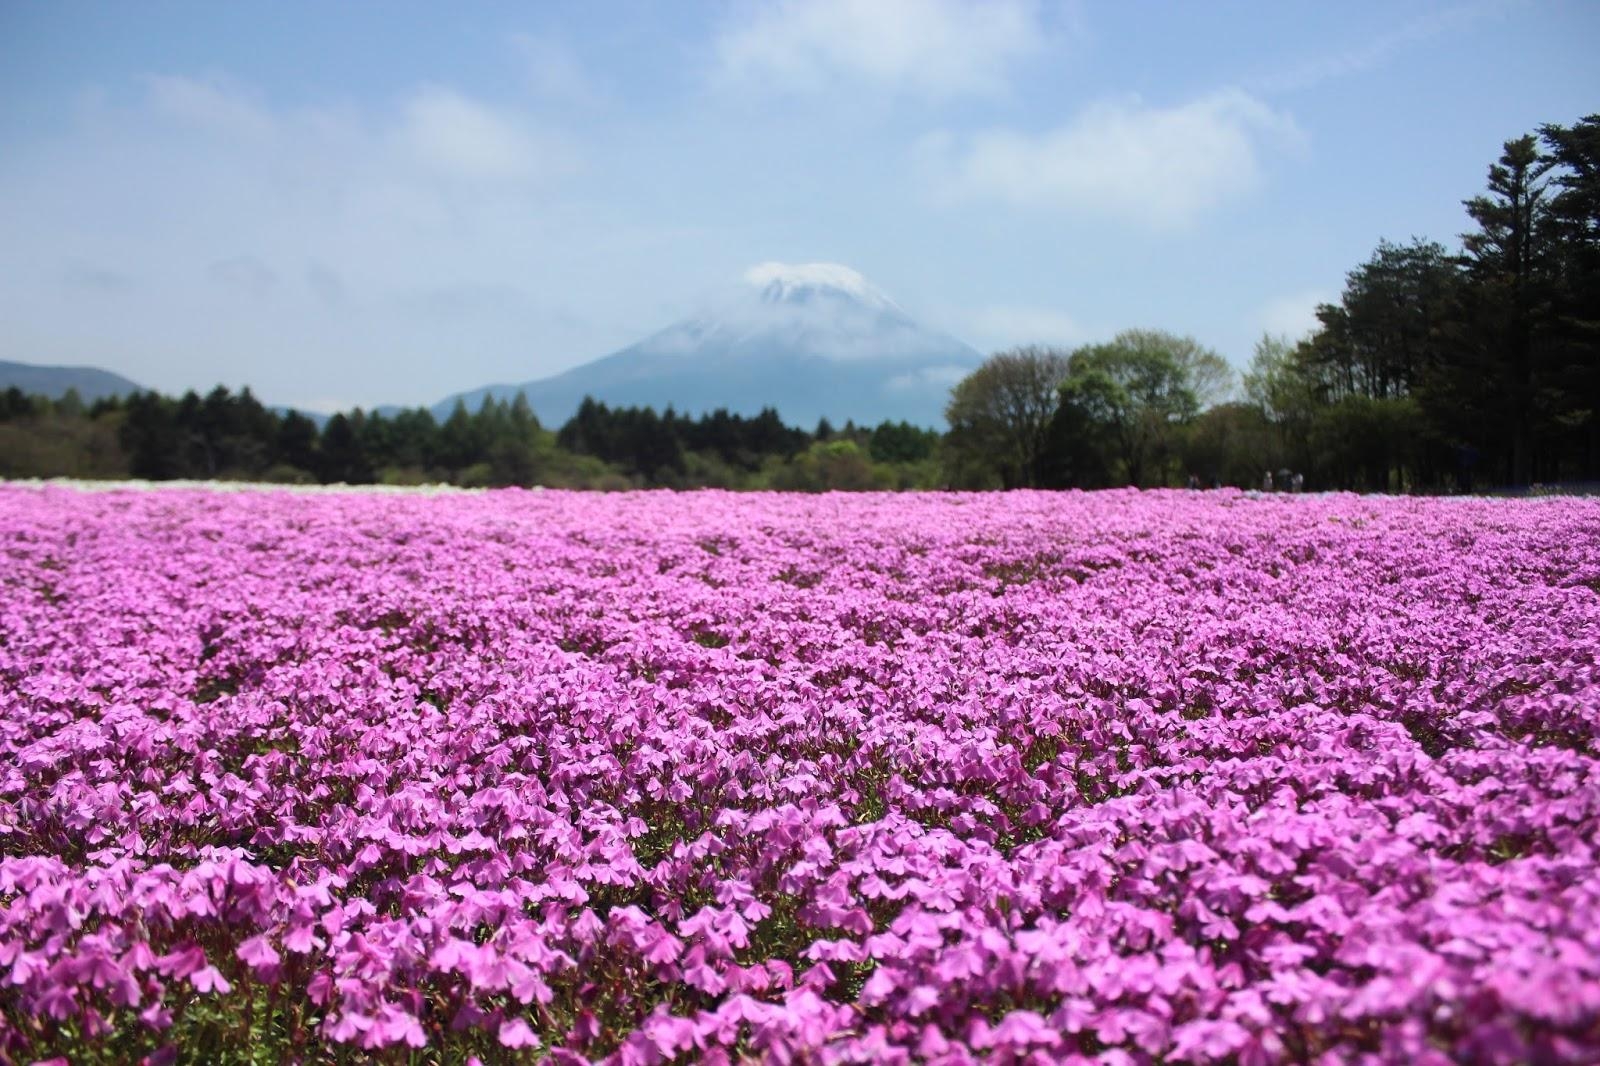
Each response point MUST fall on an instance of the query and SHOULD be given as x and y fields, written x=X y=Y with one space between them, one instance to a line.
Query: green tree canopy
x=1135 y=394
x=1000 y=415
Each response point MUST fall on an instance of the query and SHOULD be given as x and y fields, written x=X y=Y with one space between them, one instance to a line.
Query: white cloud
x=1004 y=326
x=1158 y=166
x=937 y=48
x=942 y=376
x=1293 y=316
x=211 y=104
x=198 y=193
x=462 y=138
x=436 y=131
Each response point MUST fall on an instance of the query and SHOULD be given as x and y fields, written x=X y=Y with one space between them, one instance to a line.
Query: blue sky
x=365 y=203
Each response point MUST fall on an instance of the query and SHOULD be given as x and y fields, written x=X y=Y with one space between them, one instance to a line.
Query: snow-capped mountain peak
x=812 y=339
x=802 y=282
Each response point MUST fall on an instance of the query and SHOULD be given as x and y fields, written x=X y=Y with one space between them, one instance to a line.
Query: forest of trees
x=232 y=436
x=1438 y=370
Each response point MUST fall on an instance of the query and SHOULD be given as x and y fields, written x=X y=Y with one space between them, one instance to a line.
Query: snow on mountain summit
x=796 y=282
x=812 y=339
x=809 y=310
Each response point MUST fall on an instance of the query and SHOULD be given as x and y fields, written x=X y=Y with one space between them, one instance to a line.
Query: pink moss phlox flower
x=1029 y=777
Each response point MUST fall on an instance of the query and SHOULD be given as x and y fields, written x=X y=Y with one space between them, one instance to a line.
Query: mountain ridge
x=40 y=379
x=813 y=340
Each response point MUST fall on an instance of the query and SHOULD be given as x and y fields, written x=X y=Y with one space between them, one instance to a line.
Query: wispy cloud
x=1155 y=166
x=213 y=103
x=943 y=376
x=435 y=131
x=283 y=236
x=934 y=48
x=1000 y=326
x=1319 y=70
x=1294 y=315
x=459 y=137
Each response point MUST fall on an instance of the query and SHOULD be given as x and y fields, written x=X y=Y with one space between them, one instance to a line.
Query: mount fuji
x=812 y=340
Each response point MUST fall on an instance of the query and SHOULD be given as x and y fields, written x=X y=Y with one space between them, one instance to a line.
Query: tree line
x=1437 y=370
x=233 y=436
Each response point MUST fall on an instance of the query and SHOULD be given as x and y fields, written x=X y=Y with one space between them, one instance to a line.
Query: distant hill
x=91 y=382
x=811 y=340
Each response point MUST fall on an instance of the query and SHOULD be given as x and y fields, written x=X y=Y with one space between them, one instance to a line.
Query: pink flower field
x=1120 y=778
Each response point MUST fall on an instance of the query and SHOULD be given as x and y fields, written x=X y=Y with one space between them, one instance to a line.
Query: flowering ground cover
x=1121 y=777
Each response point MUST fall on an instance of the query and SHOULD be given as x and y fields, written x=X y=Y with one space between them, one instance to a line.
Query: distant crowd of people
x=1284 y=481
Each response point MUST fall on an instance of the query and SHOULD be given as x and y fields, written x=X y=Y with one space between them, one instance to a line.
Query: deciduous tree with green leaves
x=1136 y=393
x=1000 y=417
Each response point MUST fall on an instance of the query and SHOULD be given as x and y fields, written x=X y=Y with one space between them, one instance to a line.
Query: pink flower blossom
x=516 y=1033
